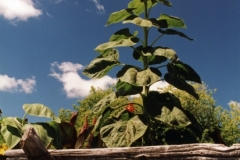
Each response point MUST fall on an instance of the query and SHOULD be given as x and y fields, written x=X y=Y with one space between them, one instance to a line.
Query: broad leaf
x=139 y=6
x=174 y=32
x=104 y=103
x=131 y=41
x=123 y=133
x=11 y=131
x=186 y=72
x=140 y=77
x=101 y=65
x=155 y=55
x=40 y=110
x=53 y=131
x=165 y=2
x=166 y=52
x=119 y=16
x=139 y=21
x=124 y=89
x=123 y=34
x=180 y=83
x=41 y=132
x=174 y=117
x=172 y=22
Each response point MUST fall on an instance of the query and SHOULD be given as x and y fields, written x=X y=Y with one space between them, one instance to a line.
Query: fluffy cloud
x=9 y=84
x=18 y=10
x=234 y=103
x=73 y=85
x=99 y=7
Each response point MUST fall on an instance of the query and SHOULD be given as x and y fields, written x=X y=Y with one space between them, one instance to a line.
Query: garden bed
x=187 y=151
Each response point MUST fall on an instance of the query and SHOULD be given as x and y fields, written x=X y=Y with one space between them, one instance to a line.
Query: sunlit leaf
x=123 y=34
x=139 y=6
x=137 y=77
x=41 y=132
x=123 y=133
x=174 y=32
x=40 y=110
x=11 y=131
x=174 y=117
x=101 y=65
x=138 y=21
x=119 y=16
x=166 y=52
x=172 y=22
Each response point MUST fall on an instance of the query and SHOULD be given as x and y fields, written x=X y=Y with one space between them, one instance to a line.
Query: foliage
x=56 y=133
x=130 y=124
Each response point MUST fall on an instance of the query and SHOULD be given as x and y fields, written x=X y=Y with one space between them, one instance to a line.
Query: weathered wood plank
x=33 y=146
x=187 y=151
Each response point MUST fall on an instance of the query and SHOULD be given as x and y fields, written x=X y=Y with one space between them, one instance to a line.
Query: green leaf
x=186 y=72
x=124 y=89
x=172 y=22
x=123 y=133
x=139 y=21
x=174 y=32
x=101 y=65
x=128 y=41
x=104 y=103
x=11 y=131
x=40 y=110
x=53 y=131
x=180 y=83
x=119 y=16
x=139 y=5
x=41 y=132
x=166 y=52
x=123 y=34
x=174 y=117
x=137 y=77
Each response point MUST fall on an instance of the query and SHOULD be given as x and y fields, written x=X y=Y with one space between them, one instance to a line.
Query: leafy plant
x=56 y=133
x=122 y=125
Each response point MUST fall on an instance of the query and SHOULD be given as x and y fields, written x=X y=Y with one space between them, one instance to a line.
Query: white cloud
x=9 y=84
x=99 y=7
x=18 y=10
x=234 y=103
x=158 y=85
x=73 y=85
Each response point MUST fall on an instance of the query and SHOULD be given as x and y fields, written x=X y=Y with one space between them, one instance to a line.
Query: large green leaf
x=171 y=21
x=174 y=32
x=186 y=72
x=139 y=21
x=125 y=88
x=40 y=110
x=137 y=77
x=174 y=117
x=53 y=131
x=41 y=132
x=119 y=16
x=129 y=41
x=101 y=65
x=122 y=34
x=155 y=55
x=123 y=133
x=104 y=103
x=180 y=83
x=11 y=131
x=139 y=5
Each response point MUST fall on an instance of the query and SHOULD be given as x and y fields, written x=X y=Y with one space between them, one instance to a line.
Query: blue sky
x=45 y=44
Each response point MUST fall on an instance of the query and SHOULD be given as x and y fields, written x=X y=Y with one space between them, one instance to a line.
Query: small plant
x=133 y=124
